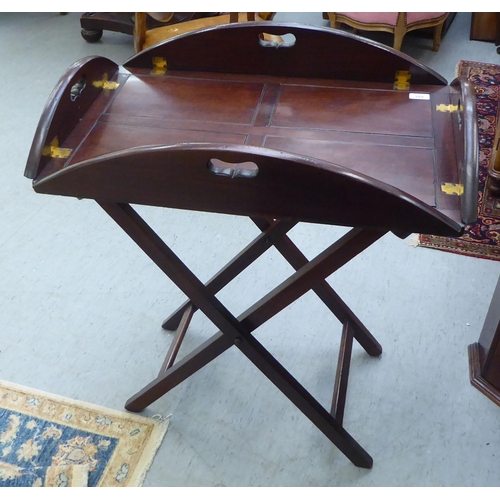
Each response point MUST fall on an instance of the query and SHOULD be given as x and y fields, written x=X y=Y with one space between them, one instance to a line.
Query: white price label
x=421 y=97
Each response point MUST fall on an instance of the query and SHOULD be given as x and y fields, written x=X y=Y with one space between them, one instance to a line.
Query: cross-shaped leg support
x=237 y=331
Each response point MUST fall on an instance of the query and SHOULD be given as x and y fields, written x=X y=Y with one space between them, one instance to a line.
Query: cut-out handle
x=247 y=169
x=277 y=41
x=77 y=88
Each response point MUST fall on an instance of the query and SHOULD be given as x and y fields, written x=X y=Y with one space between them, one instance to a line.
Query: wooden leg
x=437 y=37
x=156 y=249
x=305 y=279
x=182 y=370
x=400 y=30
x=342 y=376
x=398 y=40
x=272 y=233
x=309 y=406
x=333 y=21
x=238 y=331
x=326 y=293
x=326 y=263
x=179 y=337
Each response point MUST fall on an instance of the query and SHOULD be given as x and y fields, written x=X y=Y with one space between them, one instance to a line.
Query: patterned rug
x=483 y=238
x=47 y=440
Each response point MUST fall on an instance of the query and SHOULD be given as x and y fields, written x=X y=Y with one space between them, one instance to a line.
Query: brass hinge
x=402 y=80
x=54 y=151
x=450 y=108
x=105 y=83
x=159 y=66
x=452 y=188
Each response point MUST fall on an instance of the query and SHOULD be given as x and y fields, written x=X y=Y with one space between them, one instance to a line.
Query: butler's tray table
x=282 y=123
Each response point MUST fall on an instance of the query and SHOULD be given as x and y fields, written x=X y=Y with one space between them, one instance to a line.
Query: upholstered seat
x=398 y=23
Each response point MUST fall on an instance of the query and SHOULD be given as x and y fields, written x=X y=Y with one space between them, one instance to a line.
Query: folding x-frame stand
x=309 y=275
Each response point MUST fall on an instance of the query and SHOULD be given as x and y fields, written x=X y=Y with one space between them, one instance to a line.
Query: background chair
x=398 y=23
x=144 y=38
x=94 y=23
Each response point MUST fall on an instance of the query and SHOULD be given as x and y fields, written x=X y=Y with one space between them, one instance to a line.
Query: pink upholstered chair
x=398 y=23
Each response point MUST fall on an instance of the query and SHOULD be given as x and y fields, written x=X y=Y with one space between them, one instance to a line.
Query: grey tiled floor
x=81 y=309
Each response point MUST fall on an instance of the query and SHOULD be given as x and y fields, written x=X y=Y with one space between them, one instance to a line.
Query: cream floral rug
x=48 y=440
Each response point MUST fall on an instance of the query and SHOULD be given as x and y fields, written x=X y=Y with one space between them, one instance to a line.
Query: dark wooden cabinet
x=484 y=355
x=485 y=27
x=94 y=23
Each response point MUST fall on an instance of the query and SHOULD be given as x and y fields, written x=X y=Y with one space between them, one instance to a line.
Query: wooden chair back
x=144 y=38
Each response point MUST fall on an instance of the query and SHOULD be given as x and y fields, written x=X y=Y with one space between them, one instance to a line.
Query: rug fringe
x=412 y=240
x=148 y=455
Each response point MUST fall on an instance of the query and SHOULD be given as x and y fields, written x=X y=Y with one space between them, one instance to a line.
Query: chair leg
x=333 y=22
x=438 y=30
x=399 y=30
x=398 y=40
x=139 y=31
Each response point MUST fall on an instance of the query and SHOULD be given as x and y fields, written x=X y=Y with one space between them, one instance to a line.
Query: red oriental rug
x=482 y=239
